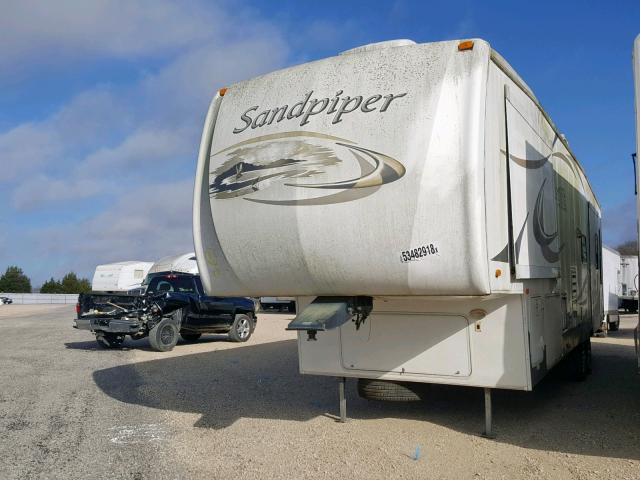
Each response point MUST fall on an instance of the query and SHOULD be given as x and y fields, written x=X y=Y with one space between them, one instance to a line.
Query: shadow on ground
x=142 y=344
x=599 y=416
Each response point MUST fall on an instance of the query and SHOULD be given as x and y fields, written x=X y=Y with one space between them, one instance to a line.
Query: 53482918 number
x=418 y=253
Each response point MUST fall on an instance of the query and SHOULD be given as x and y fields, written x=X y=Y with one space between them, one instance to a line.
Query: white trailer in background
x=439 y=228
x=286 y=303
x=636 y=81
x=610 y=287
x=629 y=283
x=119 y=276
x=185 y=263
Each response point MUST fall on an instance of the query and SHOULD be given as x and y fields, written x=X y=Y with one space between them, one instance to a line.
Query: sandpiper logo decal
x=286 y=162
x=305 y=109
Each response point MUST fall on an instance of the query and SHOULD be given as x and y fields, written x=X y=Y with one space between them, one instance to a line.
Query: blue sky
x=102 y=103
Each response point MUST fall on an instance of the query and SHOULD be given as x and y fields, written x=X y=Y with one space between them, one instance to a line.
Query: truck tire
x=109 y=340
x=164 y=336
x=241 y=329
x=389 y=391
x=190 y=337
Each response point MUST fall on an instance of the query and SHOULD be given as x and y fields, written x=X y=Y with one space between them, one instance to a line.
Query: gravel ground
x=221 y=410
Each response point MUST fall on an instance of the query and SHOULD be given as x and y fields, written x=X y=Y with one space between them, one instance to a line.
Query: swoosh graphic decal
x=527 y=163
x=386 y=170
x=256 y=164
x=543 y=239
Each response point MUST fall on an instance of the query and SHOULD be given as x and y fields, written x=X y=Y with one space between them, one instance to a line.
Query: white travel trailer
x=119 y=276
x=185 y=263
x=611 y=287
x=629 y=283
x=439 y=229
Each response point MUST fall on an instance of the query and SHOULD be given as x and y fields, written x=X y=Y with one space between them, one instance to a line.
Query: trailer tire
x=390 y=391
x=164 y=335
x=190 y=337
x=241 y=329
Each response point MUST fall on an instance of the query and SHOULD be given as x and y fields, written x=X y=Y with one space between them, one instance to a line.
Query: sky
x=102 y=103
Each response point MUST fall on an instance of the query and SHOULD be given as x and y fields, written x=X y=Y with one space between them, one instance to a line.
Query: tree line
x=15 y=281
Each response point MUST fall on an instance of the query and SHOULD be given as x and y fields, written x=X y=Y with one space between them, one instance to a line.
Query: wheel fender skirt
x=327 y=313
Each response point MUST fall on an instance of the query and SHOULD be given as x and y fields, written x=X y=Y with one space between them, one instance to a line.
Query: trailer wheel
x=190 y=337
x=164 y=336
x=241 y=329
x=390 y=391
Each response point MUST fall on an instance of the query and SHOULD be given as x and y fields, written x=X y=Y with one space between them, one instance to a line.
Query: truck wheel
x=190 y=337
x=164 y=336
x=389 y=391
x=241 y=329
x=109 y=340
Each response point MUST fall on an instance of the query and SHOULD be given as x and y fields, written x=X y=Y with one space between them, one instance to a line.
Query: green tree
x=51 y=286
x=69 y=283
x=15 y=281
x=72 y=284
x=84 y=285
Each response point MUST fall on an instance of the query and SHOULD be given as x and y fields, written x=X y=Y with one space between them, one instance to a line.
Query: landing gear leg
x=488 y=417
x=343 y=399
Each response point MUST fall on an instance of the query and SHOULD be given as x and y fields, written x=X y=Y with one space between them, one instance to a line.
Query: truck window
x=171 y=283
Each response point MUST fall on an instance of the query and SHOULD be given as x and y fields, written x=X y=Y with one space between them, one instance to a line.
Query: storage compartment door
x=534 y=229
x=411 y=343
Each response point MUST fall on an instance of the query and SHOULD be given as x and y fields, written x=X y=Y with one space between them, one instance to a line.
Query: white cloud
x=118 y=135
x=133 y=144
x=152 y=222
x=34 y=32
x=619 y=222
x=39 y=190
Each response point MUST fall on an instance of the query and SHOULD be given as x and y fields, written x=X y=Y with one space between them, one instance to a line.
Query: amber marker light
x=498 y=272
x=467 y=45
x=222 y=91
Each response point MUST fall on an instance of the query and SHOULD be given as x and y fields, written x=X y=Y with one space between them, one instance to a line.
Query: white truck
x=629 y=283
x=611 y=265
x=119 y=276
x=439 y=228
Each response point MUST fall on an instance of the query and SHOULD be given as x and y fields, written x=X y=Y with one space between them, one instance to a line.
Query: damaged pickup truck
x=172 y=304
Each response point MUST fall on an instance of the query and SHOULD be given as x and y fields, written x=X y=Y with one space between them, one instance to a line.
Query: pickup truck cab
x=171 y=304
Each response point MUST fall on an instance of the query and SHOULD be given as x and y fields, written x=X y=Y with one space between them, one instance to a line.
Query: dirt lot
x=222 y=410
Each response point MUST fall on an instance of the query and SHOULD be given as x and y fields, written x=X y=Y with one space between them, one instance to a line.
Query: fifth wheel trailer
x=636 y=81
x=611 y=287
x=439 y=228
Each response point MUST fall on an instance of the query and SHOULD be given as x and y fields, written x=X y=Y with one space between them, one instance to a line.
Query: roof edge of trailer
x=612 y=250
x=510 y=72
